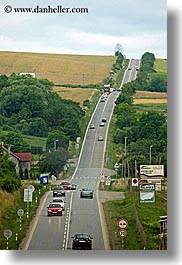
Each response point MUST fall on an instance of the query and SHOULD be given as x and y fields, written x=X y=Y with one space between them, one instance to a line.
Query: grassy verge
x=11 y=220
x=113 y=151
x=120 y=74
x=149 y=215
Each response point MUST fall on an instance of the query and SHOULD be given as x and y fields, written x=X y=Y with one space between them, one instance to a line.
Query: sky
x=139 y=26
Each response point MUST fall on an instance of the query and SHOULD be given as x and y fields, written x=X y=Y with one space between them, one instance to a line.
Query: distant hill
x=59 y=68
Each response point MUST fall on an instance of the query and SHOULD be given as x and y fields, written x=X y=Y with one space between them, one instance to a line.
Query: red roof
x=24 y=157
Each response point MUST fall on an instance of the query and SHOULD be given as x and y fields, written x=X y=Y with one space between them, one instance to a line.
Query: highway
x=80 y=215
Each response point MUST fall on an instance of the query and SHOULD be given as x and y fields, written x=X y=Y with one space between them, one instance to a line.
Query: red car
x=66 y=185
x=54 y=209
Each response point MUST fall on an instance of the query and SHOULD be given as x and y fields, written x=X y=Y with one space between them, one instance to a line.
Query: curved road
x=80 y=215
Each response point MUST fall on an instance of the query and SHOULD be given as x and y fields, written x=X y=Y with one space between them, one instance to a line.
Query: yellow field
x=59 y=68
x=76 y=94
x=146 y=97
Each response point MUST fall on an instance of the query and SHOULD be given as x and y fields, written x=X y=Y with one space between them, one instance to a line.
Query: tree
x=9 y=180
x=15 y=140
x=3 y=81
x=125 y=115
x=62 y=141
x=38 y=127
x=118 y=49
x=149 y=125
x=54 y=161
x=158 y=84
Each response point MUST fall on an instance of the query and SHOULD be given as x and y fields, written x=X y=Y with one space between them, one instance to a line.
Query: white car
x=60 y=201
x=92 y=126
x=102 y=124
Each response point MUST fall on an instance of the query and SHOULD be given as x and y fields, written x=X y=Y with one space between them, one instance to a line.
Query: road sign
x=31 y=188
x=122 y=233
x=7 y=233
x=134 y=182
x=108 y=182
x=123 y=223
x=108 y=178
x=27 y=195
x=20 y=212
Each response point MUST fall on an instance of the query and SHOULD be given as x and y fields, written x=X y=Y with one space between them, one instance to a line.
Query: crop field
x=58 y=68
x=76 y=94
x=146 y=97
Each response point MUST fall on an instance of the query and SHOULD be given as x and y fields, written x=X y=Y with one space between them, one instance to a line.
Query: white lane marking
x=67 y=225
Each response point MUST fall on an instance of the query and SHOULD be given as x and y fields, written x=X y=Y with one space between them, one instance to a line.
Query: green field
x=35 y=141
x=160 y=65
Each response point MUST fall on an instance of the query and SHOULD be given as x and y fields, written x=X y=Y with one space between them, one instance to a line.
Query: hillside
x=59 y=68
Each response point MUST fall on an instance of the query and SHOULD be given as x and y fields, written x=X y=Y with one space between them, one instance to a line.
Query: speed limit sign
x=7 y=233
x=123 y=223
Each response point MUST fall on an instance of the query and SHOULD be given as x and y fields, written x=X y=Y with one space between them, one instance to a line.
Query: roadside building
x=25 y=160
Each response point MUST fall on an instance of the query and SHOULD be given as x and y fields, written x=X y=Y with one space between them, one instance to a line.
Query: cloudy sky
x=139 y=26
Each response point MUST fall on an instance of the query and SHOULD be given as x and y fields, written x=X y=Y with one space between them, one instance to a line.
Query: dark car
x=58 y=191
x=54 y=209
x=104 y=120
x=66 y=185
x=82 y=241
x=86 y=193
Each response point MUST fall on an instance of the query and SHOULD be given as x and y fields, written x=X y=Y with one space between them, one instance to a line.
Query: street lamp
x=151 y=154
x=55 y=145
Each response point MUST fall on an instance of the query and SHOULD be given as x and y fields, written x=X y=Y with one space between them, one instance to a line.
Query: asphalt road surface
x=80 y=215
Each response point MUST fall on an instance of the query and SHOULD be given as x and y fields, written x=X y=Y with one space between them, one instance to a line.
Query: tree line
x=28 y=106
x=147 y=79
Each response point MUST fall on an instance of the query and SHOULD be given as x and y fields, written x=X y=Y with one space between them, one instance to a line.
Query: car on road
x=102 y=124
x=54 y=209
x=86 y=193
x=100 y=138
x=58 y=191
x=60 y=201
x=82 y=241
x=66 y=185
x=119 y=89
x=104 y=120
x=92 y=126
x=73 y=186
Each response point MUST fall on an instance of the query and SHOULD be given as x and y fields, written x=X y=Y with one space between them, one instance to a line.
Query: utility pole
x=150 y=154
x=125 y=144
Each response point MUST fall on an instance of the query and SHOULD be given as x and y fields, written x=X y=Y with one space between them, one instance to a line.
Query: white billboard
x=152 y=170
x=27 y=195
